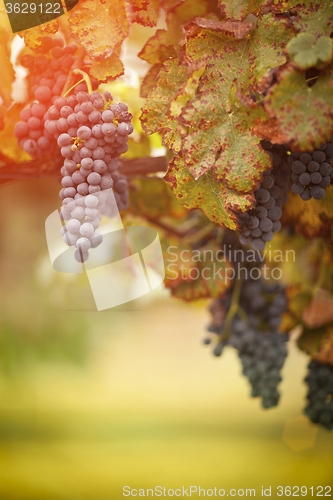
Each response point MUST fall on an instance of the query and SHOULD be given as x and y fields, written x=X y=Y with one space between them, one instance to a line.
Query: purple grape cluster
x=312 y=172
x=258 y=225
x=92 y=133
x=260 y=345
x=320 y=394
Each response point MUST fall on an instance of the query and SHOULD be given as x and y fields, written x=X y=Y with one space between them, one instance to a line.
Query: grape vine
x=240 y=98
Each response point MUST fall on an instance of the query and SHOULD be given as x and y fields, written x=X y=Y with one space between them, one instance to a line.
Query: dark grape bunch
x=260 y=345
x=312 y=172
x=258 y=225
x=92 y=133
x=48 y=74
x=320 y=394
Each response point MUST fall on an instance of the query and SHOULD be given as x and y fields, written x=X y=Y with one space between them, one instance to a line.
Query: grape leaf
x=316 y=18
x=7 y=74
x=239 y=9
x=153 y=198
x=33 y=36
x=194 y=274
x=107 y=69
x=304 y=113
x=144 y=12
x=320 y=311
x=318 y=343
x=154 y=112
x=236 y=29
x=217 y=201
x=313 y=218
x=221 y=139
x=149 y=81
x=170 y=4
x=307 y=52
x=158 y=48
x=249 y=60
x=100 y=26
x=183 y=12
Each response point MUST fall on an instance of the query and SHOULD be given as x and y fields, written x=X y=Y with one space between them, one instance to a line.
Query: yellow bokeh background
x=92 y=402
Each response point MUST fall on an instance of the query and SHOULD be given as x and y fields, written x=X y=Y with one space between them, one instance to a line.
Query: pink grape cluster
x=92 y=133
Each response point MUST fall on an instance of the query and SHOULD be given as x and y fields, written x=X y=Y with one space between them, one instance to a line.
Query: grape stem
x=85 y=77
x=76 y=64
x=233 y=310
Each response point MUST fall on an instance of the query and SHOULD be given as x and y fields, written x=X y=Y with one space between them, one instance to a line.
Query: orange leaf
x=100 y=26
x=9 y=144
x=7 y=70
x=33 y=36
x=320 y=310
x=144 y=12
x=107 y=69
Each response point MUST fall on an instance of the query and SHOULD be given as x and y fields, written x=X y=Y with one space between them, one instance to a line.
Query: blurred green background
x=91 y=402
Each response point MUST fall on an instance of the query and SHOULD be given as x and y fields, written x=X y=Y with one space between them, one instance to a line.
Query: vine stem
x=234 y=309
x=76 y=65
x=85 y=77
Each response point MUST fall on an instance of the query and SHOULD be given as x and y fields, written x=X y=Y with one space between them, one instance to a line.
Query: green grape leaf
x=307 y=52
x=239 y=9
x=100 y=26
x=304 y=113
x=158 y=48
x=107 y=69
x=154 y=112
x=236 y=29
x=318 y=343
x=144 y=12
x=315 y=18
x=249 y=60
x=153 y=198
x=218 y=202
x=222 y=140
x=194 y=274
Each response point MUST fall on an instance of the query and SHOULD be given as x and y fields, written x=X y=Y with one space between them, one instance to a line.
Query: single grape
x=83 y=188
x=262 y=195
x=297 y=188
x=100 y=167
x=266 y=225
x=63 y=140
x=43 y=94
x=73 y=225
x=83 y=244
x=317 y=192
x=306 y=195
x=94 y=178
x=258 y=245
x=319 y=156
x=81 y=256
x=87 y=230
x=305 y=179
x=84 y=133
x=91 y=144
x=316 y=178
x=91 y=201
